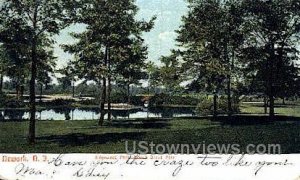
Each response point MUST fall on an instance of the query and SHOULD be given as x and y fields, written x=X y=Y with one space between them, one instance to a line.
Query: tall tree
x=69 y=78
x=272 y=32
x=3 y=67
x=111 y=26
x=210 y=37
x=46 y=69
x=14 y=35
x=154 y=78
x=42 y=19
x=170 y=72
x=132 y=66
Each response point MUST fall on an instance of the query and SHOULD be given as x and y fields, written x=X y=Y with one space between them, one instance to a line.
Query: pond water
x=94 y=113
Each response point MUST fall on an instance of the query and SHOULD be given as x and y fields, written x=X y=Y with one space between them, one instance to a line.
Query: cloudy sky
x=160 y=40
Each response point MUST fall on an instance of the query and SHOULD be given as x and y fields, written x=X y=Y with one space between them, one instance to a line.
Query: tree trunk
x=102 y=102
x=272 y=108
x=283 y=101
x=215 y=113
x=18 y=91
x=41 y=92
x=109 y=86
x=32 y=121
x=21 y=91
x=109 y=99
x=73 y=88
x=271 y=82
x=229 y=100
x=265 y=105
x=103 y=94
x=128 y=94
x=1 y=83
x=32 y=105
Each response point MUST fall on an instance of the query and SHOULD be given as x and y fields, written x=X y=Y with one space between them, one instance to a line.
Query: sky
x=160 y=40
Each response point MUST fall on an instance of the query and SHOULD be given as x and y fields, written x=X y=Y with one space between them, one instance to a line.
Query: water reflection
x=169 y=112
x=15 y=115
x=94 y=113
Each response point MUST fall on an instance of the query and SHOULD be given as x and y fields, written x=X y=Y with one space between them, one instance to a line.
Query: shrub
x=90 y=102
x=10 y=102
x=165 y=99
x=118 y=97
x=205 y=106
x=3 y=99
x=60 y=102
x=14 y=104
x=136 y=100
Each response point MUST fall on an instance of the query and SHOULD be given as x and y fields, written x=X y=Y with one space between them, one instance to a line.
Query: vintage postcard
x=149 y=89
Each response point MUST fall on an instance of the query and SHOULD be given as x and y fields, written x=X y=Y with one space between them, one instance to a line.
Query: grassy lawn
x=85 y=136
x=287 y=110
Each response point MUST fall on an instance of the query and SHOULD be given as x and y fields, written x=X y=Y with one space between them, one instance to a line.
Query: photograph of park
x=92 y=76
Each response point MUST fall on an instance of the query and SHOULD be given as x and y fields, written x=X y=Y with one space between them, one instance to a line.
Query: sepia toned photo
x=101 y=89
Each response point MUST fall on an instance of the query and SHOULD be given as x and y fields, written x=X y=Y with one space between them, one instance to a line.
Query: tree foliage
x=112 y=38
x=34 y=22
